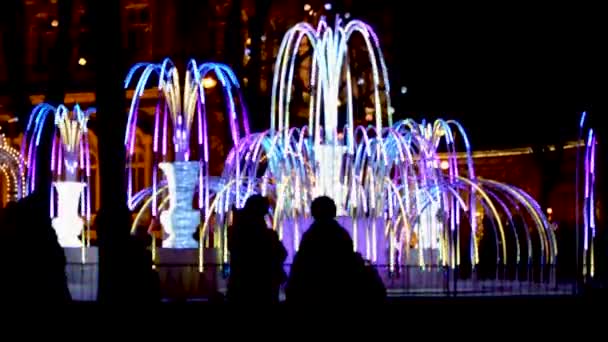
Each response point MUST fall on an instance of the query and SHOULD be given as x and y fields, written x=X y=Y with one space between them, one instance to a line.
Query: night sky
x=513 y=75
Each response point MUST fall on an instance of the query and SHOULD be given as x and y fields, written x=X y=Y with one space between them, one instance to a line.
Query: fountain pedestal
x=68 y=224
x=180 y=221
x=82 y=272
x=329 y=159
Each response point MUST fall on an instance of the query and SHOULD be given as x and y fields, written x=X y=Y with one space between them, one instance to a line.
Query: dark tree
x=234 y=39
x=255 y=99
x=12 y=18
x=60 y=55
x=113 y=216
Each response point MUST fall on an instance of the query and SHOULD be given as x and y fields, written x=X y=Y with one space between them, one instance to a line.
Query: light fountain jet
x=70 y=168
x=176 y=117
x=589 y=214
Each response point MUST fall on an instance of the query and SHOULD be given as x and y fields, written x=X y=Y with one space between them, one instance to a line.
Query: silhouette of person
x=256 y=256
x=130 y=260
x=33 y=261
x=325 y=268
x=144 y=281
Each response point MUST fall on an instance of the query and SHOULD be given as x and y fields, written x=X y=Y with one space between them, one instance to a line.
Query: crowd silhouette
x=256 y=255
x=326 y=269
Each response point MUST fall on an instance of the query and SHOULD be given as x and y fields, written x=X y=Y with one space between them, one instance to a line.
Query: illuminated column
x=329 y=159
x=68 y=224
x=180 y=221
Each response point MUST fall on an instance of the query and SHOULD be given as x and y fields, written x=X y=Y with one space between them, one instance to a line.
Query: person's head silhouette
x=257 y=206
x=323 y=208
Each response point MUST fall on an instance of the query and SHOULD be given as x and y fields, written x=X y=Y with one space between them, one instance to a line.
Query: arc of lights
x=12 y=167
x=178 y=114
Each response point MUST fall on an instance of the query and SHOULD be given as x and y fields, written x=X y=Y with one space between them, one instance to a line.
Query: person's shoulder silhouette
x=256 y=255
x=326 y=268
x=32 y=226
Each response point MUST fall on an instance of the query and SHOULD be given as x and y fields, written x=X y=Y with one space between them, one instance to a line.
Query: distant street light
x=209 y=82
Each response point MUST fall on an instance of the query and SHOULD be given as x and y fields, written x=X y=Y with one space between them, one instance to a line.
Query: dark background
x=513 y=74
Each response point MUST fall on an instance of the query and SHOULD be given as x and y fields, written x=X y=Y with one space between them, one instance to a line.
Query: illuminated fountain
x=180 y=121
x=70 y=169
x=299 y=164
x=403 y=189
x=406 y=191
x=12 y=171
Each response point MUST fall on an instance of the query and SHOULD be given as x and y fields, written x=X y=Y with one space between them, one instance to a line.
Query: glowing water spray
x=176 y=117
x=589 y=200
x=70 y=168
x=404 y=189
x=401 y=206
x=330 y=73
